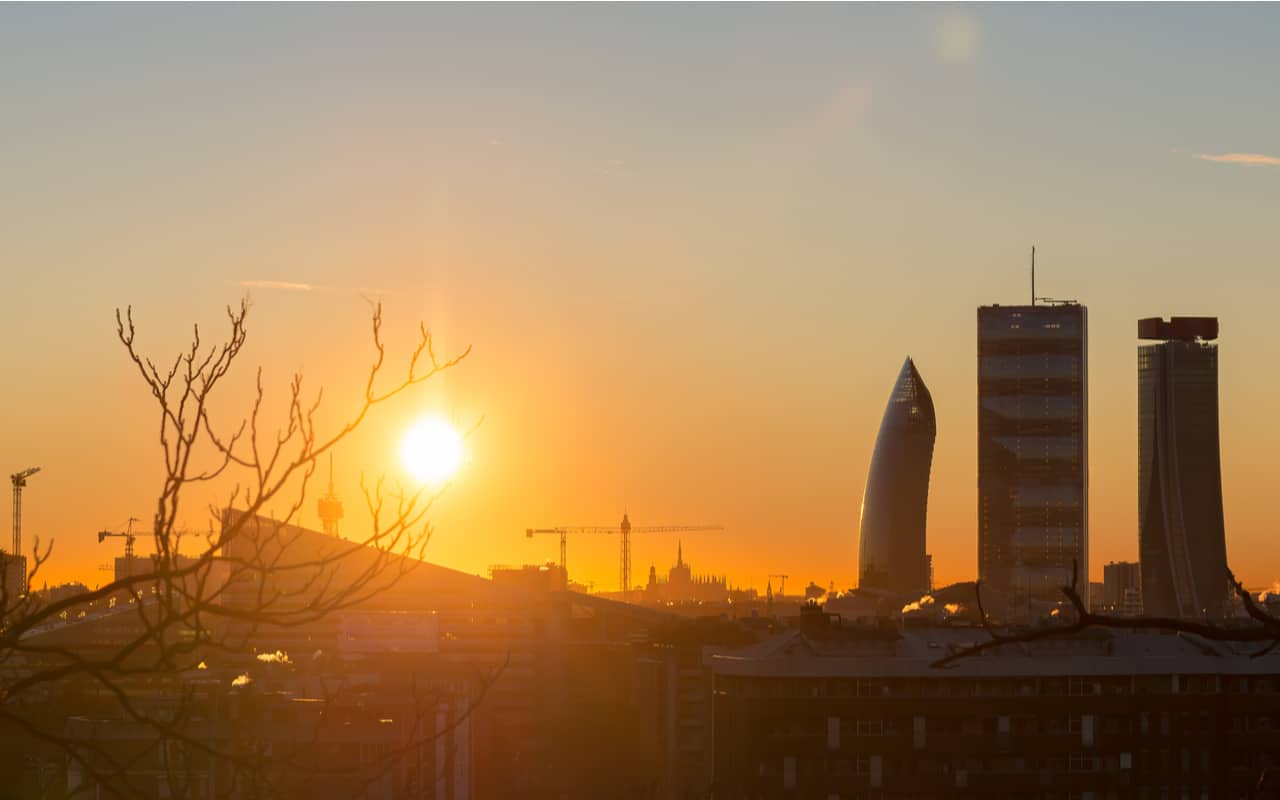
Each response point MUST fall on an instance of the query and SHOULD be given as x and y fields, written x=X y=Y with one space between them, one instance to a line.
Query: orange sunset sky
x=690 y=246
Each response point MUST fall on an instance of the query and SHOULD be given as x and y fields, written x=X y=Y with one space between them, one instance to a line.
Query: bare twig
x=248 y=574
x=1267 y=629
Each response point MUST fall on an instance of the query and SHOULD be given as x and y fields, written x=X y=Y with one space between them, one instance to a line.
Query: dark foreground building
x=1033 y=449
x=1182 y=539
x=891 y=543
x=453 y=687
x=839 y=712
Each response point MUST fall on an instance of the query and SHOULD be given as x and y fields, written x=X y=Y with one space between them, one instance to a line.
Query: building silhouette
x=454 y=687
x=891 y=544
x=1033 y=435
x=1182 y=541
x=549 y=577
x=13 y=577
x=1122 y=588
x=683 y=586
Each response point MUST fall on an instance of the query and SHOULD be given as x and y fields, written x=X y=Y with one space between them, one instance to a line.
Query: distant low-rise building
x=1096 y=591
x=1122 y=588
x=534 y=577
x=13 y=571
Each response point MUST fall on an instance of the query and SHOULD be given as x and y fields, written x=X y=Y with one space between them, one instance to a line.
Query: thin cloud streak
x=296 y=286
x=285 y=285
x=1248 y=159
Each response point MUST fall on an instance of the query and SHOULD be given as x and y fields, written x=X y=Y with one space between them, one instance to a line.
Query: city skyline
x=481 y=401
x=704 y=349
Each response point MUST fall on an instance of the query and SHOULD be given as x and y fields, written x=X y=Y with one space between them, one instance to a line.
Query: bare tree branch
x=248 y=574
x=1266 y=630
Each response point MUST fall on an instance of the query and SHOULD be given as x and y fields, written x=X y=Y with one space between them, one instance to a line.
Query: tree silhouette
x=247 y=573
x=1263 y=628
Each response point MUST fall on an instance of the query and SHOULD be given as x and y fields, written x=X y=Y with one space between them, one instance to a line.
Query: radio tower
x=330 y=506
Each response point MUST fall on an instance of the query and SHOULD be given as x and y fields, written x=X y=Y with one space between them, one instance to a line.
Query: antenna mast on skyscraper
x=1033 y=274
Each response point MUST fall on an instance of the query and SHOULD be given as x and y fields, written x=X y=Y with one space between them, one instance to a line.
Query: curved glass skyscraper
x=891 y=547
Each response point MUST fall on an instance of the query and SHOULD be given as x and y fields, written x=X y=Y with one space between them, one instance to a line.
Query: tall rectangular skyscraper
x=1181 y=536
x=1033 y=449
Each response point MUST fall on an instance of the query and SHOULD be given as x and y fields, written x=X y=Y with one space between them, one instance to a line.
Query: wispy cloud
x=298 y=286
x=287 y=286
x=1248 y=159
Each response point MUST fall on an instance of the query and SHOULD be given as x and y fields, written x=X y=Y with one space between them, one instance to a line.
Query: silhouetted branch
x=1267 y=629
x=249 y=573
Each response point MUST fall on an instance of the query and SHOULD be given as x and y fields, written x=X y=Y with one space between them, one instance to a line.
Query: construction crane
x=128 y=537
x=624 y=557
x=19 y=482
x=782 y=583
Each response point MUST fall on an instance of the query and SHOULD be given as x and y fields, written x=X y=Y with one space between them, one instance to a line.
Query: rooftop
x=867 y=652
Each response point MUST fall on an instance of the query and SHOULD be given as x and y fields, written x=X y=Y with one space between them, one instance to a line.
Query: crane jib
x=624 y=556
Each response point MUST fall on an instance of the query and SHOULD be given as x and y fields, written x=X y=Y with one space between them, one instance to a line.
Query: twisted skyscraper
x=1181 y=536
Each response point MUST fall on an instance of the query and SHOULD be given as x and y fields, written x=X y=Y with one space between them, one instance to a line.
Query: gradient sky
x=691 y=246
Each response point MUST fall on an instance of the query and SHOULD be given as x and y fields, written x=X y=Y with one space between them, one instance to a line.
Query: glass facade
x=1033 y=432
x=891 y=542
x=1181 y=535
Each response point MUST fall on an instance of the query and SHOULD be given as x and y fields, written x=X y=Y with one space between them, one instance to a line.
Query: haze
x=691 y=248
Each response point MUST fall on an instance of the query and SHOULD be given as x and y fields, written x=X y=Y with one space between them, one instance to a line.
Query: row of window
x=1167 y=761
x=1006 y=687
x=839 y=729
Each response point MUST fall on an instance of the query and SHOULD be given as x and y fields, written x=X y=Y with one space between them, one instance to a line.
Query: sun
x=432 y=451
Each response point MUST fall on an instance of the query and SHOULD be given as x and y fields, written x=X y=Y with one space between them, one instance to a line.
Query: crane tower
x=15 y=565
x=19 y=480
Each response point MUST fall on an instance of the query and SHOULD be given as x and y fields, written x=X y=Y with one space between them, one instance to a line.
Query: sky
x=690 y=246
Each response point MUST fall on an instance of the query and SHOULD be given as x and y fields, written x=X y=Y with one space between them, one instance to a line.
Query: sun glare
x=432 y=451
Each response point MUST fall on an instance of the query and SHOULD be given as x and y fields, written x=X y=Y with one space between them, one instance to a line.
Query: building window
x=870 y=727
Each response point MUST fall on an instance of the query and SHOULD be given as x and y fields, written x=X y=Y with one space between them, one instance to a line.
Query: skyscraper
x=1033 y=449
x=1181 y=537
x=891 y=544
